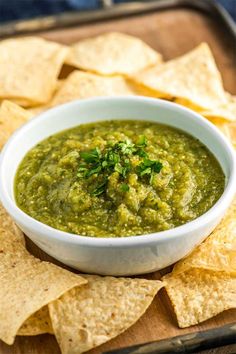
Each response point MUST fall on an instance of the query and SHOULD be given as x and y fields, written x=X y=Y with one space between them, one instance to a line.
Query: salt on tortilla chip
x=112 y=53
x=29 y=68
x=12 y=117
x=193 y=78
x=38 y=323
x=80 y=85
x=102 y=309
x=198 y=294
x=218 y=251
x=6 y=223
x=27 y=284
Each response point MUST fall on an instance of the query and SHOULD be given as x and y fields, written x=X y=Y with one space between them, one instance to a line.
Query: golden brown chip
x=84 y=85
x=29 y=68
x=200 y=294
x=38 y=323
x=12 y=117
x=27 y=284
x=7 y=224
x=95 y=313
x=112 y=53
x=218 y=252
x=193 y=78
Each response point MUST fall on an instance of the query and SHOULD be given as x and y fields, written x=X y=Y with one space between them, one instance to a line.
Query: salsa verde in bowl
x=151 y=170
x=118 y=178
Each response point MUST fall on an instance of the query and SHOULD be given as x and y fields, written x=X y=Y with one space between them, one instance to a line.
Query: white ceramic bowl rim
x=130 y=241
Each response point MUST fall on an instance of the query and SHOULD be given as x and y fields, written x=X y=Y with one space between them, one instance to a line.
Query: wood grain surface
x=171 y=32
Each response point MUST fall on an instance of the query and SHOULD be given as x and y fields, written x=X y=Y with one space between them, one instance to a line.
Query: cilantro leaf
x=91 y=156
x=100 y=189
x=149 y=167
x=124 y=187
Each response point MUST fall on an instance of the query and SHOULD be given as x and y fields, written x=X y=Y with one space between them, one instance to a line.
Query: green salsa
x=118 y=178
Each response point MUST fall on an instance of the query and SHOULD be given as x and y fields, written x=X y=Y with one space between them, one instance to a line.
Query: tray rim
x=70 y=19
x=106 y=13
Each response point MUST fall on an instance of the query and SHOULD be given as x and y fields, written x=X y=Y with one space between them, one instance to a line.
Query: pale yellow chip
x=230 y=132
x=218 y=252
x=80 y=85
x=112 y=53
x=12 y=117
x=193 y=78
x=228 y=129
x=38 y=323
x=27 y=284
x=200 y=294
x=225 y=111
x=7 y=224
x=34 y=111
x=29 y=68
x=95 y=313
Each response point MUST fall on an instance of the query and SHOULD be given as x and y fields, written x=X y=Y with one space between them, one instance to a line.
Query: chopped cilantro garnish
x=148 y=167
x=100 y=189
x=116 y=157
x=91 y=156
x=124 y=187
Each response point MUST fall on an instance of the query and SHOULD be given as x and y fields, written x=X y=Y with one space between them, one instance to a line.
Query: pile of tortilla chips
x=204 y=283
x=84 y=311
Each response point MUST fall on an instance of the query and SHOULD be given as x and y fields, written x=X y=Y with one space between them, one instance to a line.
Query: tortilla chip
x=218 y=252
x=228 y=129
x=27 y=284
x=12 y=117
x=198 y=295
x=112 y=53
x=38 y=323
x=29 y=68
x=95 y=313
x=34 y=111
x=230 y=132
x=225 y=111
x=193 y=78
x=6 y=223
x=80 y=85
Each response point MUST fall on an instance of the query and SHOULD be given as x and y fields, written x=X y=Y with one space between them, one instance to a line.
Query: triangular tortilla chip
x=29 y=68
x=12 y=117
x=112 y=53
x=38 y=323
x=6 y=223
x=84 y=85
x=200 y=294
x=27 y=284
x=225 y=111
x=194 y=78
x=218 y=251
x=95 y=313
x=230 y=132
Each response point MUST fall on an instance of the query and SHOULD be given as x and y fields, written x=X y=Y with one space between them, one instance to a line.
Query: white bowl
x=124 y=255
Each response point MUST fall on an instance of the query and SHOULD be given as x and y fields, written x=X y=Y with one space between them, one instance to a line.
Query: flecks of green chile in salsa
x=48 y=189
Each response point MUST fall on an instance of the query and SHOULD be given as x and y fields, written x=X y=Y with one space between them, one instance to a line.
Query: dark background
x=25 y=9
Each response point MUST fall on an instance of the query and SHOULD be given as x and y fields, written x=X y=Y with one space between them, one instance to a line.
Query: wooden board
x=171 y=32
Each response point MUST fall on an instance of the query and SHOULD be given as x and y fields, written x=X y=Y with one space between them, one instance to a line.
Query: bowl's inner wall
x=80 y=112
